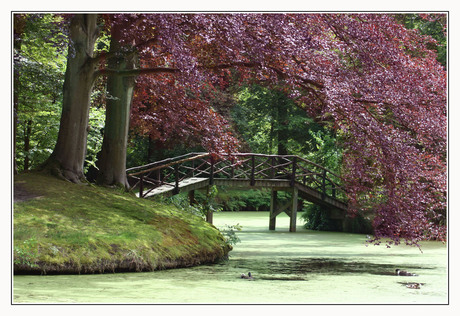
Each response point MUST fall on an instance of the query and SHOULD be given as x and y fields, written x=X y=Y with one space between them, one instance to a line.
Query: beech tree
x=366 y=76
x=68 y=156
x=112 y=158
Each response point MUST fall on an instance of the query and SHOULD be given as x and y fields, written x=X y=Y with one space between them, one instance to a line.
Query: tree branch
x=136 y=72
x=156 y=70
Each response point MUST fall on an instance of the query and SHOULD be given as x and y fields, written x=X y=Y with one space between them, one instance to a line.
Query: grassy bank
x=60 y=227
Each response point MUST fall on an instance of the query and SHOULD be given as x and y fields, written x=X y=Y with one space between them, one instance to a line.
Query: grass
x=71 y=228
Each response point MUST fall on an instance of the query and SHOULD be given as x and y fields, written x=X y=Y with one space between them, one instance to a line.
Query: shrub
x=316 y=218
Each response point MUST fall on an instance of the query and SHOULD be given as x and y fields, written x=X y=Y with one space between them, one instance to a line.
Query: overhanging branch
x=157 y=70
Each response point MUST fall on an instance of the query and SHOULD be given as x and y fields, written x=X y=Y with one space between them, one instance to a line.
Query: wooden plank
x=185 y=185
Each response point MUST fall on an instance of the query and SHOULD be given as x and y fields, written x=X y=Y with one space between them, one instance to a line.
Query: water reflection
x=305 y=266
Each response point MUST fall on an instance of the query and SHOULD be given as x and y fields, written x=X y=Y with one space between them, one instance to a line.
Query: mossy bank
x=61 y=227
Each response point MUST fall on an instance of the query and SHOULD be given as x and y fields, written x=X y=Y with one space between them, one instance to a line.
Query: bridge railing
x=253 y=167
x=248 y=166
x=167 y=172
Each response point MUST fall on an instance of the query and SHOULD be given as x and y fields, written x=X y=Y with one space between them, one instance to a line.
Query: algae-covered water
x=306 y=267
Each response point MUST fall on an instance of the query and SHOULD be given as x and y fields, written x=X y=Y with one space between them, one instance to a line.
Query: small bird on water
x=404 y=273
x=413 y=285
x=249 y=276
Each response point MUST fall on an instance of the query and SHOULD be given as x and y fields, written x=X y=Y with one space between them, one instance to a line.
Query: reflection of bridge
x=294 y=174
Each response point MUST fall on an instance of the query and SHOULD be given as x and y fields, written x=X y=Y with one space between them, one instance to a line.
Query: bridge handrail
x=165 y=162
x=318 y=177
x=177 y=160
x=288 y=156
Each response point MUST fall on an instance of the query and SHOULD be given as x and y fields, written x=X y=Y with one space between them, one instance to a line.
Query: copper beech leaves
x=378 y=83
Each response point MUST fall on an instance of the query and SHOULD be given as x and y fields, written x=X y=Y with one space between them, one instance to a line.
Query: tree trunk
x=27 y=133
x=112 y=158
x=68 y=156
x=282 y=124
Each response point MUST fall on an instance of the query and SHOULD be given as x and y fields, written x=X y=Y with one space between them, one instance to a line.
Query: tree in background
x=38 y=78
x=376 y=82
x=434 y=25
x=269 y=122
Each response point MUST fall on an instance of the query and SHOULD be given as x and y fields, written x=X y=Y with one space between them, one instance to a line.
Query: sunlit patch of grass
x=88 y=228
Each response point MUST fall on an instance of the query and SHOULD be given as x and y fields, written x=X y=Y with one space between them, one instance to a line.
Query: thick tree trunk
x=68 y=156
x=112 y=158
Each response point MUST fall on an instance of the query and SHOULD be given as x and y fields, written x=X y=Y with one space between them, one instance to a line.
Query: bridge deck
x=185 y=185
x=195 y=183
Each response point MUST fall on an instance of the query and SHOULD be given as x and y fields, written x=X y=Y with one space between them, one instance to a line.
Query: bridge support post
x=209 y=217
x=290 y=208
x=273 y=209
x=294 y=201
x=191 y=197
x=209 y=213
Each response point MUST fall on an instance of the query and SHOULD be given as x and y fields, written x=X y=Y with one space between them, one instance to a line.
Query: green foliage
x=208 y=204
x=95 y=136
x=39 y=75
x=141 y=150
x=432 y=26
x=137 y=151
x=247 y=200
x=204 y=202
x=26 y=253
x=316 y=218
x=229 y=233
x=238 y=200
x=40 y=63
x=181 y=202
x=360 y=225
x=328 y=152
x=268 y=121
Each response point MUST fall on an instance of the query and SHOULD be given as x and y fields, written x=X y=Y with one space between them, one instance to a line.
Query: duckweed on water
x=306 y=267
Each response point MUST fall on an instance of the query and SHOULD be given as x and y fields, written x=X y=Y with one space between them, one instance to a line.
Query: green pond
x=305 y=267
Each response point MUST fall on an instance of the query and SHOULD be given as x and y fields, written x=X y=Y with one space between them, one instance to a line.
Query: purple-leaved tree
x=377 y=83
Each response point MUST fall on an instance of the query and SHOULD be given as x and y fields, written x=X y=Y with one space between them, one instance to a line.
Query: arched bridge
x=303 y=178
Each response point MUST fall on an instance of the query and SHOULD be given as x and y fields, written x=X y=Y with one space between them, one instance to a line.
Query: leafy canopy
x=376 y=82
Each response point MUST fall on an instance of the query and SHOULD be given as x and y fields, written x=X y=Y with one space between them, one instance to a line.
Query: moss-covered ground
x=61 y=227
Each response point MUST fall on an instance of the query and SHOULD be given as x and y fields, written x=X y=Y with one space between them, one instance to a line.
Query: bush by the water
x=316 y=218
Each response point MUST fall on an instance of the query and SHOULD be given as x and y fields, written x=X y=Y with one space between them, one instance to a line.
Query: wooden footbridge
x=190 y=172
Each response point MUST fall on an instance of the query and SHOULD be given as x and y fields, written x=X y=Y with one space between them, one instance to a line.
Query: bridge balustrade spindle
x=141 y=186
x=211 y=172
x=176 y=179
x=323 y=185
x=294 y=167
x=253 y=180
